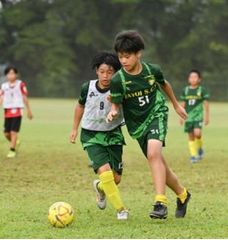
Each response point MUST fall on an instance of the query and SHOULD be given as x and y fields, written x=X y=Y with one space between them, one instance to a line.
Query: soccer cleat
x=123 y=214
x=200 y=154
x=11 y=154
x=160 y=211
x=193 y=159
x=182 y=207
x=101 y=199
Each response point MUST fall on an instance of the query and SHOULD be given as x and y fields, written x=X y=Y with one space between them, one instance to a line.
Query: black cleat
x=182 y=207
x=160 y=211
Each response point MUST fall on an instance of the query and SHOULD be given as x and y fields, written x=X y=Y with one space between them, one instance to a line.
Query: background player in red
x=13 y=97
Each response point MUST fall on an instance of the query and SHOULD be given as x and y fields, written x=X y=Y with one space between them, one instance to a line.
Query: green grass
x=49 y=169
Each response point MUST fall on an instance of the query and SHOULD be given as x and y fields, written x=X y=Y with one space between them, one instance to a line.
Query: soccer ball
x=60 y=214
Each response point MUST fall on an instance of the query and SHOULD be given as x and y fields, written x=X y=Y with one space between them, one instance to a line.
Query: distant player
x=195 y=99
x=13 y=96
x=102 y=141
x=137 y=87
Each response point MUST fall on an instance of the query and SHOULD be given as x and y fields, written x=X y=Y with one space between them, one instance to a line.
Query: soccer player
x=102 y=141
x=13 y=96
x=136 y=86
x=195 y=100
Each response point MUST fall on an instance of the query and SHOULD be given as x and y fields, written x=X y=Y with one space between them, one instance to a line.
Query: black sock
x=12 y=149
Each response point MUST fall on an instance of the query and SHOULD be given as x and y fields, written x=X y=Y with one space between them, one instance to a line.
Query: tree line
x=52 y=42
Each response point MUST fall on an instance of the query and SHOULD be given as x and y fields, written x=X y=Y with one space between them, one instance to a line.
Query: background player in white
x=13 y=97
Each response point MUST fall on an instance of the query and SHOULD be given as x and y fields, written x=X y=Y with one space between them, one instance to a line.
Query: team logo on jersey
x=199 y=93
x=150 y=79
x=92 y=94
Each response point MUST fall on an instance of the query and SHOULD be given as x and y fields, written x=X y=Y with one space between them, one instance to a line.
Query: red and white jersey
x=13 y=98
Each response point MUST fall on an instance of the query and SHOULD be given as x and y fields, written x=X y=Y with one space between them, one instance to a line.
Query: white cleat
x=123 y=215
x=101 y=199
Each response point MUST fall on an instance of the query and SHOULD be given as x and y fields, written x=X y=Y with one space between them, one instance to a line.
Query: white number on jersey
x=191 y=102
x=154 y=131
x=143 y=100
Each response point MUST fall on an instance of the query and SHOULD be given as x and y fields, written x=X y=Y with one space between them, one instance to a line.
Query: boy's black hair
x=108 y=58
x=9 y=68
x=195 y=71
x=129 y=41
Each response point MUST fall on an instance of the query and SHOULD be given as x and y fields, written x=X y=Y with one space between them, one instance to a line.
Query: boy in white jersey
x=102 y=141
x=13 y=97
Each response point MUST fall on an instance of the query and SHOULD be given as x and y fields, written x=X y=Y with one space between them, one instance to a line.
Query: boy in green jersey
x=136 y=86
x=194 y=96
x=102 y=141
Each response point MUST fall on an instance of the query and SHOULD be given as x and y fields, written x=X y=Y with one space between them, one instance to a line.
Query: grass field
x=48 y=169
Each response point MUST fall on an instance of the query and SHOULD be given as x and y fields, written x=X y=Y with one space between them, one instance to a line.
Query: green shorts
x=157 y=130
x=190 y=126
x=101 y=155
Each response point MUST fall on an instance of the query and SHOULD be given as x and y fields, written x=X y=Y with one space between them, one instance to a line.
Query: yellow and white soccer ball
x=60 y=214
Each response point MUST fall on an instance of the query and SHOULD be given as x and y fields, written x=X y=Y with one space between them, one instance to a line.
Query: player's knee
x=153 y=156
x=198 y=135
x=7 y=134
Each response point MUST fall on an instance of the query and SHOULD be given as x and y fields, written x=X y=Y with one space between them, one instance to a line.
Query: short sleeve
x=83 y=94
x=158 y=74
x=206 y=95
x=182 y=96
x=117 y=89
x=24 y=89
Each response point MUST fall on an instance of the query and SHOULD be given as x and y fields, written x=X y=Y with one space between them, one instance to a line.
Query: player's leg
x=7 y=136
x=191 y=141
x=115 y=152
x=13 y=139
x=105 y=186
x=183 y=196
x=14 y=130
x=8 y=125
x=198 y=140
x=158 y=172
x=117 y=177
x=7 y=128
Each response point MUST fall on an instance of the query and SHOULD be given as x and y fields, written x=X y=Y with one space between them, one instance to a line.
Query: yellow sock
x=183 y=195
x=111 y=190
x=198 y=143
x=161 y=198
x=192 y=148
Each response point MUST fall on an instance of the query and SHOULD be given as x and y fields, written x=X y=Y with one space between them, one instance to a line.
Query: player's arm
x=78 y=113
x=27 y=105
x=115 y=110
x=206 y=109
x=183 y=104
x=117 y=93
x=25 y=100
x=167 y=88
x=1 y=96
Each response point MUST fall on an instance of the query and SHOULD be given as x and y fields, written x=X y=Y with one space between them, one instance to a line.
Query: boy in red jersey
x=13 y=97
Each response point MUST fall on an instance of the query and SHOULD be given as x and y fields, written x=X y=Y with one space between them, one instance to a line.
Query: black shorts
x=12 y=124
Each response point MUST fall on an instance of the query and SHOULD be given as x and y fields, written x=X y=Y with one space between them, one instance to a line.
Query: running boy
x=194 y=96
x=13 y=96
x=102 y=141
x=137 y=87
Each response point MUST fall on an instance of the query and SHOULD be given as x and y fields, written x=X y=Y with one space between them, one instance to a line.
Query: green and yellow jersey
x=140 y=96
x=194 y=98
